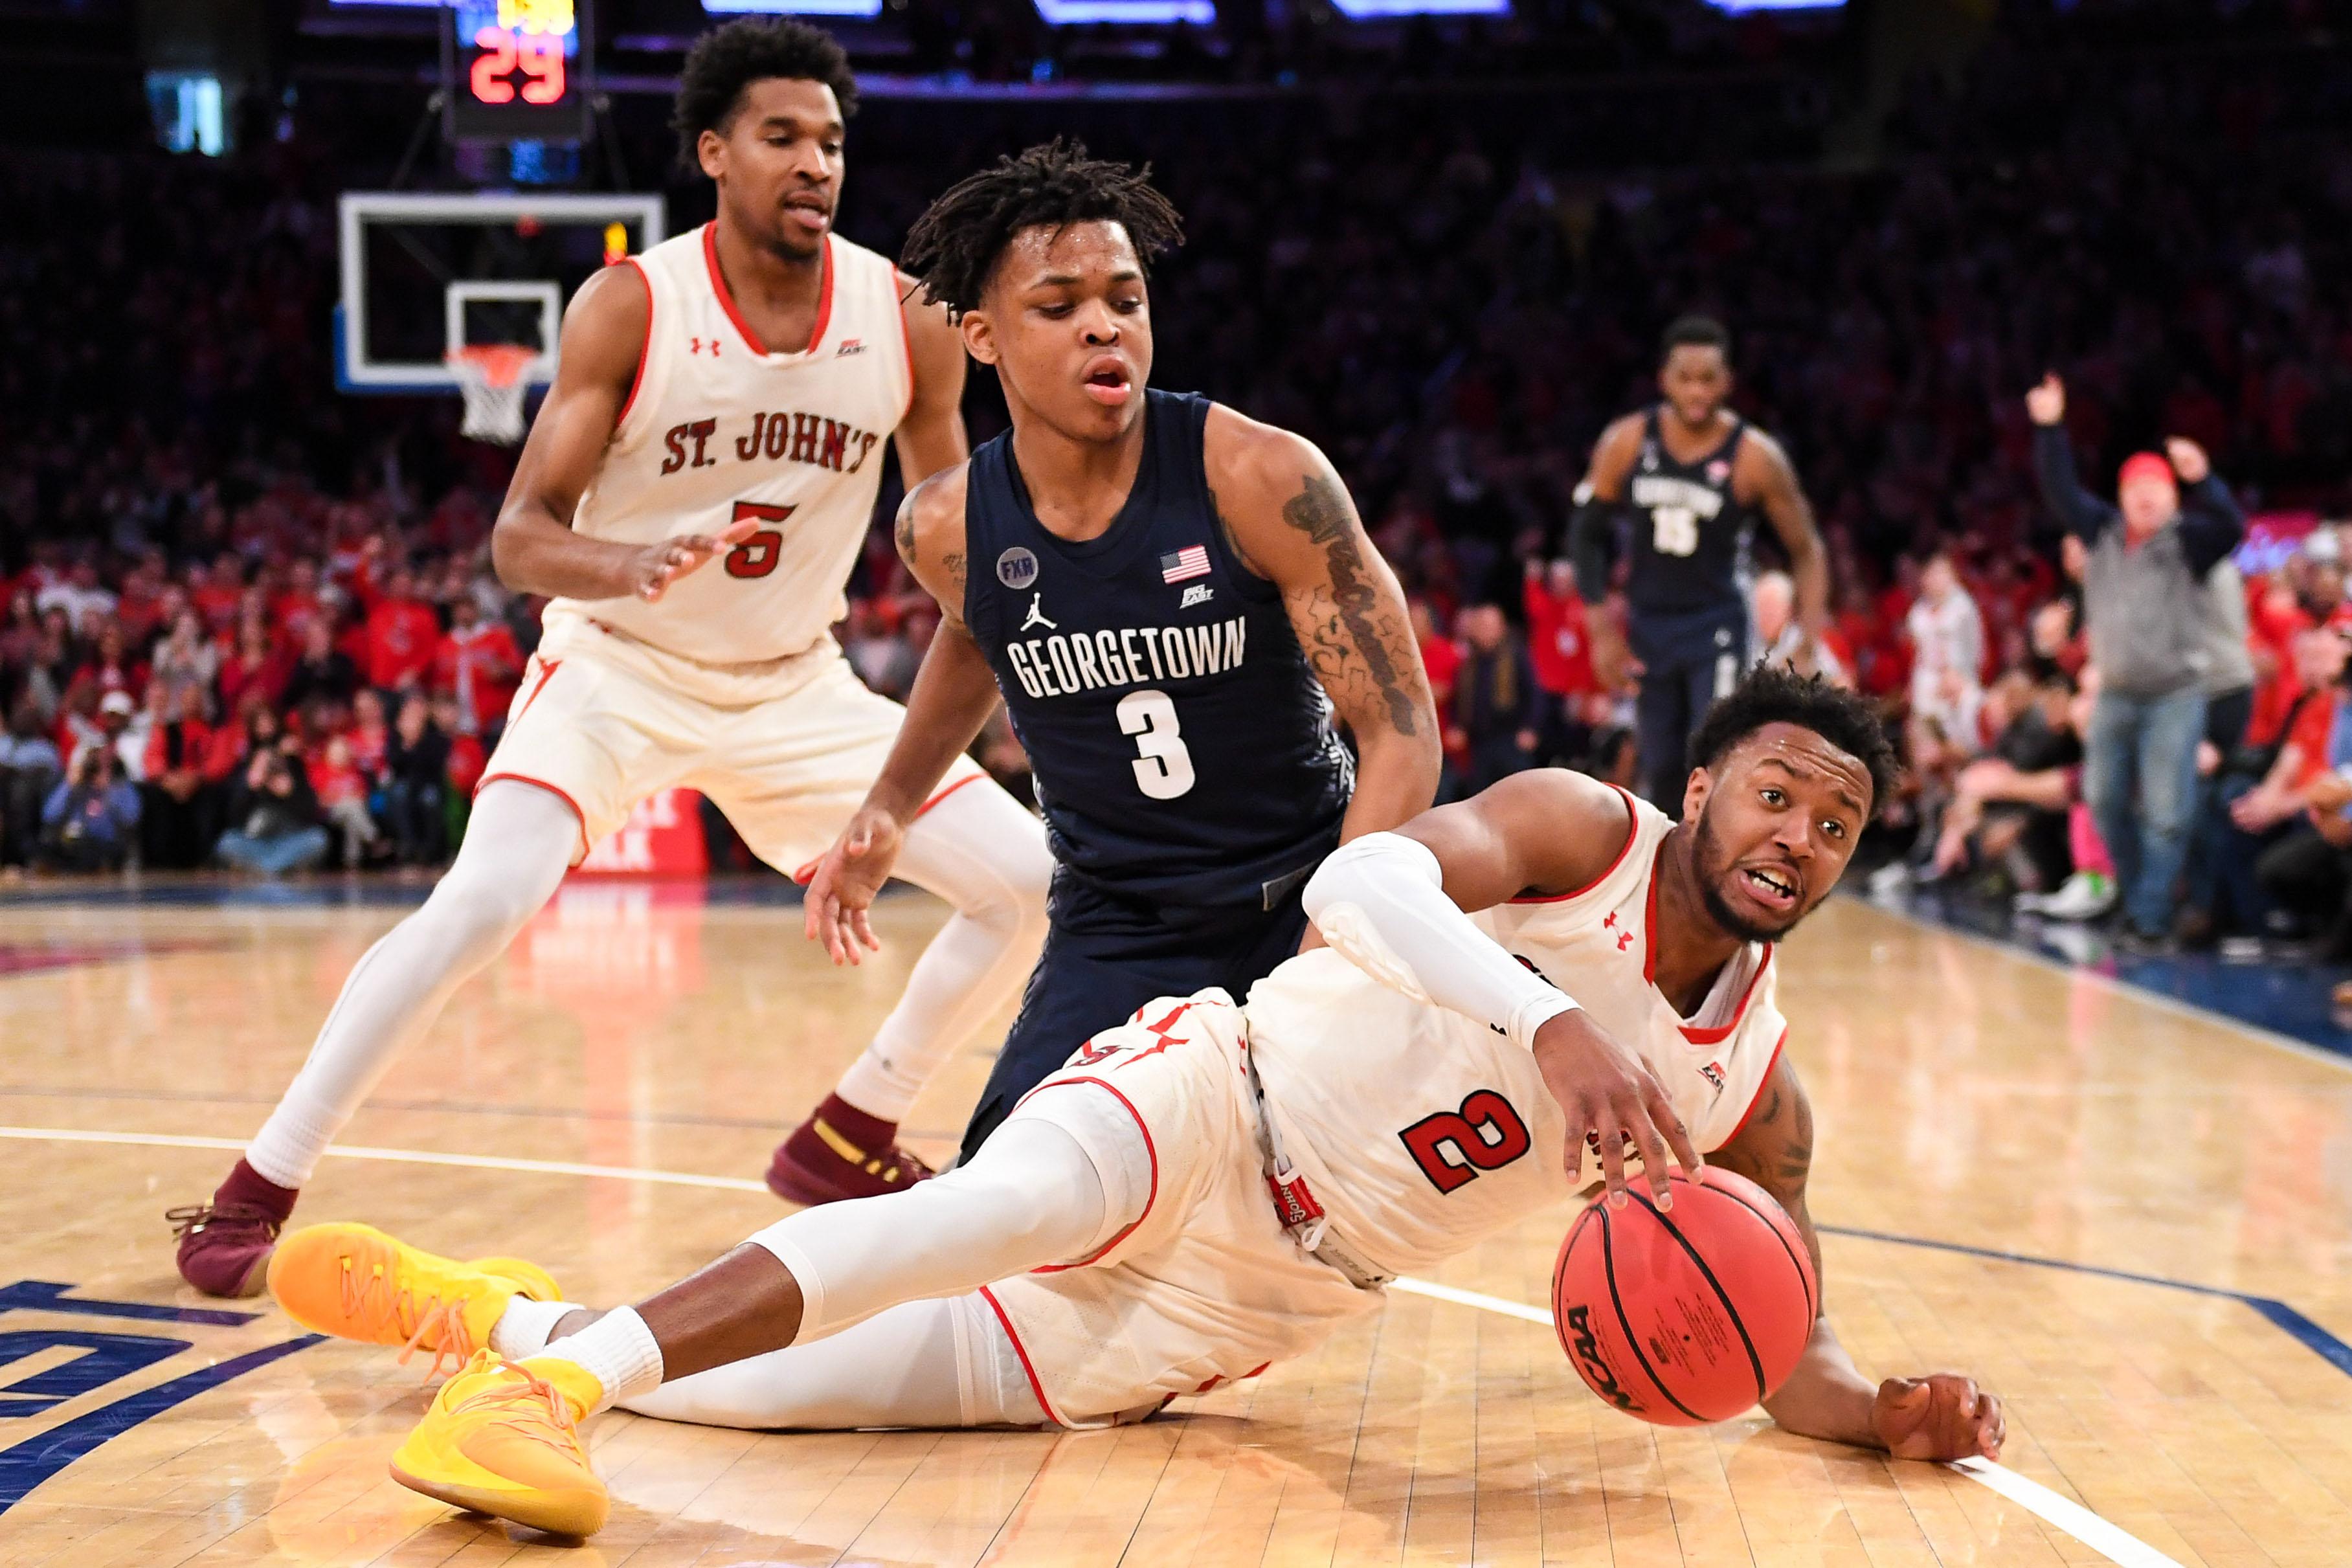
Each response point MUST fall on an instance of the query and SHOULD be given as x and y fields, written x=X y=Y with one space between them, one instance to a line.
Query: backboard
x=424 y=273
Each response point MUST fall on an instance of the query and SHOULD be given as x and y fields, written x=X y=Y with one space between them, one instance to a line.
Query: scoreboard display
x=513 y=71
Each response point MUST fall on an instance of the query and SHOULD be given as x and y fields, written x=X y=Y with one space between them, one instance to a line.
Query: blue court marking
x=2295 y=1000
x=35 y=1460
x=2317 y=1340
x=43 y=1295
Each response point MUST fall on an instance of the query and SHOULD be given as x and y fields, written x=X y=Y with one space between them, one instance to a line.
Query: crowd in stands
x=249 y=621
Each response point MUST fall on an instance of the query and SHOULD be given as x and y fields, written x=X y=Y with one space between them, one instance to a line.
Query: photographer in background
x=91 y=820
x=278 y=826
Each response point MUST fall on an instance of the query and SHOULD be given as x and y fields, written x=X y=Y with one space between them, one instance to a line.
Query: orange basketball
x=1688 y=1316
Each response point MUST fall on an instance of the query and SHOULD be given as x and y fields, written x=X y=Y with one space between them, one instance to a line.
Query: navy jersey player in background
x=1173 y=600
x=1692 y=476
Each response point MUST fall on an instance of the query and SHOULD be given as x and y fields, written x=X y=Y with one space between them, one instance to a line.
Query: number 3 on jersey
x=1163 y=767
x=756 y=555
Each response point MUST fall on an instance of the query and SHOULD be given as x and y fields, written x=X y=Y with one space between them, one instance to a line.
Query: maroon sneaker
x=841 y=1153
x=225 y=1245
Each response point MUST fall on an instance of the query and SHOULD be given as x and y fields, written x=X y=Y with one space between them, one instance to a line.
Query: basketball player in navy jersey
x=1173 y=599
x=1692 y=475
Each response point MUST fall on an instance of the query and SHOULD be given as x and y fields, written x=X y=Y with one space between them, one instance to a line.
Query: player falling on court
x=1691 y=476
x=1208 y=1188
x=1173 y=600
x=692 y=498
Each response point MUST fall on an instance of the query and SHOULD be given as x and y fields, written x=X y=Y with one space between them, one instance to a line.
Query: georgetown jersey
x=1182 y=749
x=1690 y=537
x=1419 y=1131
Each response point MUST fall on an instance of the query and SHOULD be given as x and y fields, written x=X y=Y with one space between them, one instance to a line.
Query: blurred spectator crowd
x=250 y=621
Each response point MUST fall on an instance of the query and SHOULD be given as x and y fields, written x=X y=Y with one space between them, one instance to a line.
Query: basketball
x=1687 y=1316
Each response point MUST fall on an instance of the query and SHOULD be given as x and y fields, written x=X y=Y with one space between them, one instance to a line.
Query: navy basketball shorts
x=1106 y=958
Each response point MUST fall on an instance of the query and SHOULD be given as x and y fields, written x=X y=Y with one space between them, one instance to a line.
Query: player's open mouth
x=1775 y=889
x=1106 y=382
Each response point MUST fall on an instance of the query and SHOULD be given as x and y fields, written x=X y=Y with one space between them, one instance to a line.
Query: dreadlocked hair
x=1775 y=694
x=725 y=60
x=955 y=245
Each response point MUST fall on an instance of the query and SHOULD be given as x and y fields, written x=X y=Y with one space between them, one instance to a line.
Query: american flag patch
x=1192 y=561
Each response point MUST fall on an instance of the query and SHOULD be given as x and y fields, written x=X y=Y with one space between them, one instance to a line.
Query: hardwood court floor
x=1965 y=1096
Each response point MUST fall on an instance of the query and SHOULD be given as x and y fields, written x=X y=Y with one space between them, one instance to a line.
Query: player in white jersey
x=691 y=499
x=1209 y=1188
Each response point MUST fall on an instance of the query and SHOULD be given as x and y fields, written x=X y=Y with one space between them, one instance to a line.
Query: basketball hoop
x=491 y=377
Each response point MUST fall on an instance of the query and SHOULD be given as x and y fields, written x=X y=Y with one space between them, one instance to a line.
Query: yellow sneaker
x=356 y=1283
x=503 y=1439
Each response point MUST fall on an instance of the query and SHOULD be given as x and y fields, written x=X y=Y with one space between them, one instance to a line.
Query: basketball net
x=491 y=377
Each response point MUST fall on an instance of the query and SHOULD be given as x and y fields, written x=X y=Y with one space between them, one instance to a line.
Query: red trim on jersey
x=645 y=349
x=1716 y=1036
x=1650 y=965
x=547 y=668
x=558 y=791
x=906 y=341
x=1650 y=920
x=1760 y=1086
x=727 y=301
x=1148 y=1148
x=1633 y=831
x=942 y=794
x=1027 y=1366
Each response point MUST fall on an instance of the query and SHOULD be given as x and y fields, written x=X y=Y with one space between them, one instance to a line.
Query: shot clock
x=513 y=70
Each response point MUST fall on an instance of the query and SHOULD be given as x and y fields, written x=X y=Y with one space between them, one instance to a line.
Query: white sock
x=519 y=842
x=523 y=1328
x=619 y=1351
x=986 y=855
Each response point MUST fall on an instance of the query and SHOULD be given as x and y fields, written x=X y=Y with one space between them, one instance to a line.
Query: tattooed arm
x=1940 y=1417
x=1286 y=515
x=954 y=693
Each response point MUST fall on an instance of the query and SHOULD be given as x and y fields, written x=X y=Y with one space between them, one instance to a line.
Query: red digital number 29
x=756 y=556
x=1486 y=1134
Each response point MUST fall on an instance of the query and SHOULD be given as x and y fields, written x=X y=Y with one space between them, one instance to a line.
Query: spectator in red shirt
x=296 y=604
x=217 y=594
x=180 y=806
x=370 y=737
x=402 y=635
x=479 y=665
x=255 y=666
x=467 y=756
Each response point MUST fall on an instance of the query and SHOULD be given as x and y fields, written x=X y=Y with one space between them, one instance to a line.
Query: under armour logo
x=1038 y=615
x=693 y=346
x=1624 y=939
x=1611 y=923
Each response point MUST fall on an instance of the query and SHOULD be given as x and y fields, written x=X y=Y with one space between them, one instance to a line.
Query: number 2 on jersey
x=756 y=555
x=1163 y=767
x=1486 y=1134
x=1674 y=531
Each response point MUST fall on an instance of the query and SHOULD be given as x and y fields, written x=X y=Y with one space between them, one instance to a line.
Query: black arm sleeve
x=2084 y=515
x=1587 y=547
x=2210 y=523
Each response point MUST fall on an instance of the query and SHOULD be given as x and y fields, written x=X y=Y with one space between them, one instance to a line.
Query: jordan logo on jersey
x=1038 y=615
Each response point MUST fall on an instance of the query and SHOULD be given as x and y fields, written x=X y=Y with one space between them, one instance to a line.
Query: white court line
x=2118 y=1545
x=404 y=1156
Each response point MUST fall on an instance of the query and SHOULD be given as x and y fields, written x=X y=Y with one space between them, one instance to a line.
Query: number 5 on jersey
x=756 y=556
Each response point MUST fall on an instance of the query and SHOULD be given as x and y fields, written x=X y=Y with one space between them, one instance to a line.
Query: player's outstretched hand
x=2189 y=459
x=1609 y=1095
x=842 y=884
x=658 y=565
x=1940 y=1417
x=2046 y=404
